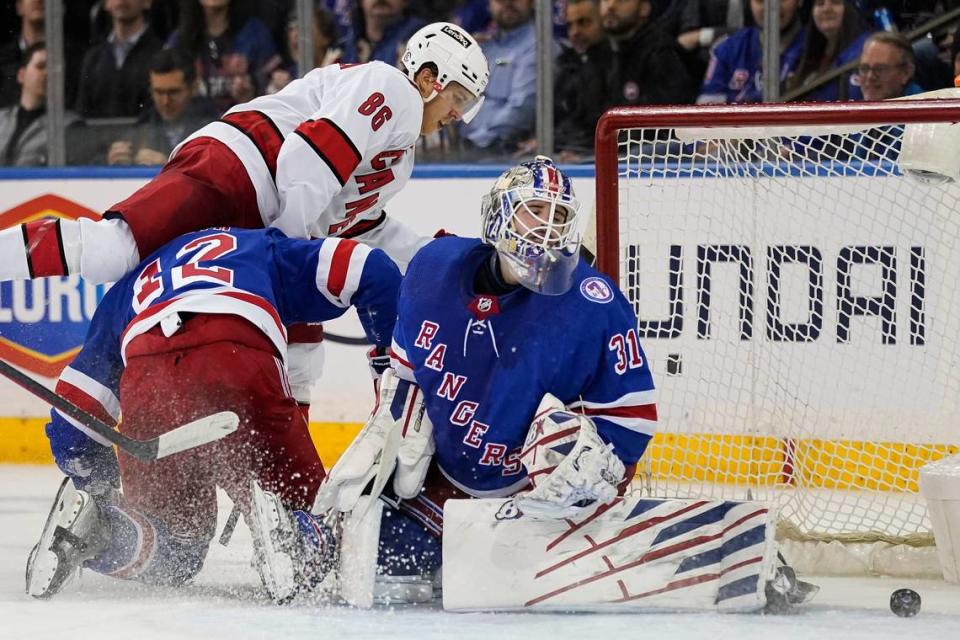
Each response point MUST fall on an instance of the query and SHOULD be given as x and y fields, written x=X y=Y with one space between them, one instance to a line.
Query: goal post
x=798 y=295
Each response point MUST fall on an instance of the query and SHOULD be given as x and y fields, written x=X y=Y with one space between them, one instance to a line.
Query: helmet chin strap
x=507 y=273
x=437 y=88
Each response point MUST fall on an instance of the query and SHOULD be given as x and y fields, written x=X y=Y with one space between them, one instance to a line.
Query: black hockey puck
x=905 y=602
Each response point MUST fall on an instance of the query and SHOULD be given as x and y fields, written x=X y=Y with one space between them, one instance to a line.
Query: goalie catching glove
x=397 y=438
x=570 y=467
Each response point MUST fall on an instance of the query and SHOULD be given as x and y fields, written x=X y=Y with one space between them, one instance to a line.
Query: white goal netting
x=799 y=299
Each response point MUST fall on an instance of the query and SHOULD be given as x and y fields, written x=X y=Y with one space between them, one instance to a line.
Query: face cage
x=542 y=258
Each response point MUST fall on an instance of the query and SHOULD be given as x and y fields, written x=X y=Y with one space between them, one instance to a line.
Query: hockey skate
x=291 y=553
x=74 y=533
x=785 y=591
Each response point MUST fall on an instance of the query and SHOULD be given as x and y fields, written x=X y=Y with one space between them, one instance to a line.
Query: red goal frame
x=660 y=117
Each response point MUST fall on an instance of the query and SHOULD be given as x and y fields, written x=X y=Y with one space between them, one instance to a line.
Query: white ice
x=224 y=602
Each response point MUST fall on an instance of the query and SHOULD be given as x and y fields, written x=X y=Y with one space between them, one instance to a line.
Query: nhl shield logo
x=596 y=290
x=44 y=322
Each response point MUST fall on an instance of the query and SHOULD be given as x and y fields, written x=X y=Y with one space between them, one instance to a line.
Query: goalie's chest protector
x=485 y=362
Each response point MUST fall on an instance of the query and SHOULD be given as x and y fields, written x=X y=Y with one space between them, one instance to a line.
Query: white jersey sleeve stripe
x=639 y=425
x=96 y=391
x=630 y=399
x=324 y=262
x=400 y=363
x=339 y=269
x=354 y=271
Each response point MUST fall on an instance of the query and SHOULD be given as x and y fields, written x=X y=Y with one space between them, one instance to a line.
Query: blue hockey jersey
x=734 y=73
x=830 y=92
x=260 y=275
x=485 y=362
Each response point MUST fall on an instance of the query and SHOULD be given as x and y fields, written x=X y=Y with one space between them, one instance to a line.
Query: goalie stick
x=192 y=434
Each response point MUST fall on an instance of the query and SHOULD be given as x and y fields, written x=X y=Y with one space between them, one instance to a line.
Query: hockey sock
x=142 y=548
x=99 y=250
x=318 y=547
x=39 y=248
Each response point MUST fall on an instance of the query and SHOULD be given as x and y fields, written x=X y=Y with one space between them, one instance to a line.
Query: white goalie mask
x=458 y=60
x=532 y=219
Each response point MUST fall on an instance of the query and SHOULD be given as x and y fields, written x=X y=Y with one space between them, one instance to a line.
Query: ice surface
x=225 y=602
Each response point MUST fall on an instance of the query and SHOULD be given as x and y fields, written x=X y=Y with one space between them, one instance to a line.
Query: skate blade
x=279 y=576
x=44 y=576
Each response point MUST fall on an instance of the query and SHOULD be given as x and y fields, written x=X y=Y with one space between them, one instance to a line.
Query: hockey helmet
x=457 y=56
x=532 y=218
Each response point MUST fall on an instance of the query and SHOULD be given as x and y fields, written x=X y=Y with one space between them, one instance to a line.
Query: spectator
x=381 y=30
x=955 y=54
x=932 y=59
x=176 y=112
x=734 y=74
x=507 y=115
x=575 y=117
x=344 y=13
x=472 y=15
x=233 y=50
x=23 y=127
x=886 y=67
x=698 y=24
x=646 y=65
x=325 y=50
x=582 y=18
x=276 y=14
x=31 y=31
x=161 y=14
x=835 y=38
x=113 y=78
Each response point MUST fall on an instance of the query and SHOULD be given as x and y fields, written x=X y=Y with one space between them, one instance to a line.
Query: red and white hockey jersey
x=329 y=150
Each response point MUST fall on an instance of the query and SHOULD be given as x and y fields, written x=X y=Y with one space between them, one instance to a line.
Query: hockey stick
x=192 y=434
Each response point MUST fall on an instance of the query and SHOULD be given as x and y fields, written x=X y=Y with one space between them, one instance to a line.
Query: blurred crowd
x=140 y=75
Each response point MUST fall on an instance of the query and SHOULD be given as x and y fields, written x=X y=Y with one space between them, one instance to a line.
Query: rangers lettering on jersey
x=484 y=363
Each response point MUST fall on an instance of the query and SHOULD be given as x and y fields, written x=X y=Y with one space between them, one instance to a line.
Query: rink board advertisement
x=42 y=323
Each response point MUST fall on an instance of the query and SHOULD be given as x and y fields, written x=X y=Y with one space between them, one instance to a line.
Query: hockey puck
x=905 y=602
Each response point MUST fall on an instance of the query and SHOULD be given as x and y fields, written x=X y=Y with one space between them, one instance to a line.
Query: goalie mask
x=533 y=220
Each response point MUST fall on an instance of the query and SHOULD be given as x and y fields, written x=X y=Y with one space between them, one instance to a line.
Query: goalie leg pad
x=397 y=430
x=636 y=554
x=358 y=552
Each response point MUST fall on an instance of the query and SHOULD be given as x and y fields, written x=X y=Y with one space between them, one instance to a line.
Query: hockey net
x=799 y=300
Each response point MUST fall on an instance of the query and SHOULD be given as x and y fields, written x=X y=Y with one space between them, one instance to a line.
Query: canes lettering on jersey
x=380 y=177
x=325 y=155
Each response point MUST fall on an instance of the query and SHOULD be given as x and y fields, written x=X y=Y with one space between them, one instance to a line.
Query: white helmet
x=457 y=56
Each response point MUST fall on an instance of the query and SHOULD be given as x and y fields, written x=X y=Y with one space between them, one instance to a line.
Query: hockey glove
x=379 y=361
x=91 y=465
x=570 y=467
